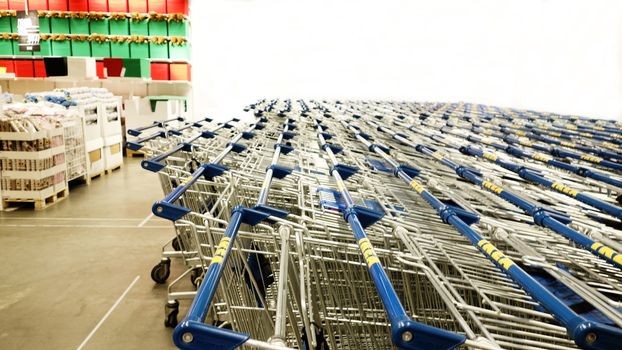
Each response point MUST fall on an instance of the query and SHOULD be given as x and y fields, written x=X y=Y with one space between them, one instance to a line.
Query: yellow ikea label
x=591 y=158
x=607 y=252
x=487 y=132
x=544 y=127
x=486 y=140
x=599 y=128
x=520 y=133
x=368 y=252
x=438 y=155
x=489 y=156
x=563 y=189
x=556 y=134
x=609 y=144
x=495 y=254
x=417 y=186
x=492 y=187
x=525 y=142
x=540 y=157
x=221 y=250
x=571 y=127
x=616 y=136
x=568 y=144
x=585 y=134
x=185 y=181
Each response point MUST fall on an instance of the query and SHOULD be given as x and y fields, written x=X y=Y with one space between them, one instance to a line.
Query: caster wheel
x=176 y=244
x=160 y=272
x=171 y=309
x=195 y=276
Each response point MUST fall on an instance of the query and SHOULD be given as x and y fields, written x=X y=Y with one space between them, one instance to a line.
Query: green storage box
x=59 y=25
x=46 y=48
x=139 y=50
x=16 y=51
x=178 y=28
x=158 y=50
x=120 y=50
x=44 y=25
x=100 y=49
x=100 y=27
x=139 y=27
x=137 y=68
x=79 y=26
x=6 y=47
x=179 y=52
x=6 y=24
x=158 y=28
x=61 y=48
x=80 y=48
x=120 y=27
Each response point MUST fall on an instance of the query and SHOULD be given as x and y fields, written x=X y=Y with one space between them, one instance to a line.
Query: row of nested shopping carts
x=373 y=225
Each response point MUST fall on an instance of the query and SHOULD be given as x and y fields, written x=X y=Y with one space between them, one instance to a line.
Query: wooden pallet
x=109 y=171
x=81 y=179
x=130 y=154
x=39 y=204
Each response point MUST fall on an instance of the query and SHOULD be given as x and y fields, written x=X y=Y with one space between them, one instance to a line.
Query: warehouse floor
x=76 y=275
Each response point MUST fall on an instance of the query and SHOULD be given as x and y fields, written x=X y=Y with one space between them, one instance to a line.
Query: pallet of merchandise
x=113 y=153
x=41 y=199
x=75 y=151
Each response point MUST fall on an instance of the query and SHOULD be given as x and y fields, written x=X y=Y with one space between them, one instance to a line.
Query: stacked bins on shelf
x=33 y=167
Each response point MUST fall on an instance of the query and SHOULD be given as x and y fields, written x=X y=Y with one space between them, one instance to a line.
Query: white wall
x=555 y=55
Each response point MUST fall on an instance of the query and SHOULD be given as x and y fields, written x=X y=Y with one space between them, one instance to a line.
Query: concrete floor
x=65 y=267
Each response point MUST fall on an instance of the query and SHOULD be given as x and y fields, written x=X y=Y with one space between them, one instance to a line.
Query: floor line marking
x=114 y=306
x=67 y=219
x=145 y=220
x=84 y=226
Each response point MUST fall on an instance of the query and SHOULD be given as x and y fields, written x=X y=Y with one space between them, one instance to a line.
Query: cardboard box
x=81 y=67
x=8 y=64
x=158 y=28
x=59 y=25
x=159 y=71
x=58 y=5
x=98 y=6
x=119 y=27
x=80 y=48
x=99 y=26
x=79 y=26
x=39 y=67
x=61 y=48
x=137 y=6
x=120 y=50
x=139 y=50
x=37 y=5
x=78 y=5
x=178 y=28
x=44 y=25
x=117 y=6
x=114 y=66
x=179 y=71
x=179 y=52
x=137 y=68
x=158 y=6
x=139 y=27
x=24 y=68
x=100 y=49
x=158 y=50
x=16 y=51
x=45 y=48
x=177 y=6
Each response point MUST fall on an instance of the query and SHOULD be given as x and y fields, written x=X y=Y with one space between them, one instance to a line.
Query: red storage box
x=18 y=5
x=158 y=6
x=4 y=4
x=78 y=5
x=39 y=66
x=177 y=6
x=113 y=66
x=10 y=67
x=24 y=69
x=98 y=5
x=179 y=71
x=38 y=5
x=117 y=5
x=137 y=6
x=159 y=71
x=58 y=5
x=99 y=67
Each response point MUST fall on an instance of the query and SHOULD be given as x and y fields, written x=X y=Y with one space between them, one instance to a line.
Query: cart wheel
x=160 y=272
x=196 y=276
x=171 y=309
x=176 y=244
